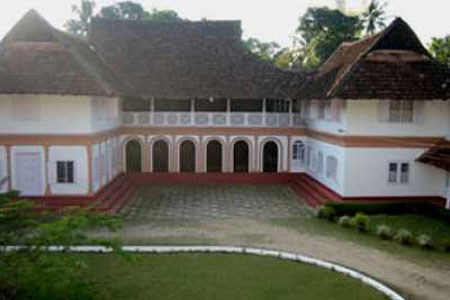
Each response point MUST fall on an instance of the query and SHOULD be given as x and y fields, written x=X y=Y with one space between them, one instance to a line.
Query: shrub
x=345 y=221
x=361 y=221
x=384 y=232
x=327 y=213
x=404 y=236
x=446 y=244
x=424 y=241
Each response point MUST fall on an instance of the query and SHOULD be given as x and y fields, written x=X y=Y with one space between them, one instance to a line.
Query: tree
x=31 y=272
x=84 y=12
x=440 y=49
x=322 y=30
x=135 y=11
x=123 y=10
x=374 y=17
x=263 y=50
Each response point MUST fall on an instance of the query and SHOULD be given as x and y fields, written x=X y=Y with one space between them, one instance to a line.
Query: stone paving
x=162 y=202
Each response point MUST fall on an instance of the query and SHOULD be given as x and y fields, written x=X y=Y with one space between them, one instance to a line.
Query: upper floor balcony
x=211 y=113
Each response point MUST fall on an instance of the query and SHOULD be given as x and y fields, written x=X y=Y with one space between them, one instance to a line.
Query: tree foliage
x=374 y=18
x=263 y=50
x=30 y=272
x=440 y=49
x=120 y=10
x=84 y=13
x=322 y=30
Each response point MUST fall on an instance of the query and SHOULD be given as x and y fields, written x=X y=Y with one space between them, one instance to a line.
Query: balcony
x=207 y=119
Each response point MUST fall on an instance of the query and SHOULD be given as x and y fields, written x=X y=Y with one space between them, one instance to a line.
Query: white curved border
x=225 y=249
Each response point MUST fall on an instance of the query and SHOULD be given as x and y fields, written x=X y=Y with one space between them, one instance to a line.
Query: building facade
x=372 y=122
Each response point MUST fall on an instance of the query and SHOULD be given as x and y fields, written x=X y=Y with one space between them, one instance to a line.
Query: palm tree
x=374 y=17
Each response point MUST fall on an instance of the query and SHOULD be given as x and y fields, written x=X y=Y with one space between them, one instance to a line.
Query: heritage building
x=154 y=97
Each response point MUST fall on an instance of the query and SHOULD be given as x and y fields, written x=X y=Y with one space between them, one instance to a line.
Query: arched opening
x=241 y=157
x=160 y=160
x=133 y=150
x=270 y=157
x=214 y=157
x=187 y=157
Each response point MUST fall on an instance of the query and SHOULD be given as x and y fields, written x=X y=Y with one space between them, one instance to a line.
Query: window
x=320 y=162
x=313 y=160
x=332 y=165
x=165 y=105
x=308 y=156
x=321 y=110
x=398 y=172
x=246 y=105
x=281 y=106
x=401 y=111
x=64 y=172
x=298 y=152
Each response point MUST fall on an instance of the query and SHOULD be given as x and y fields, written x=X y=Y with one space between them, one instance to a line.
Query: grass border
x=384 y=289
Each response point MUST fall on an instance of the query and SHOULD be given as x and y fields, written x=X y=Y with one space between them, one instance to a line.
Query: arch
x=133 y=156
x=187 y=156
x=270 y=157
x=160 y=156
x=241 y=157
x=214 y=156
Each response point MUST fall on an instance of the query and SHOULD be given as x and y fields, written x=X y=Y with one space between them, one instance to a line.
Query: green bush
x=345 y=221
x=32 y=272
x=384 y=232
x=446 y=244
x=424 y=241
x=361 y=222
x=404 y=236
x=326 y=213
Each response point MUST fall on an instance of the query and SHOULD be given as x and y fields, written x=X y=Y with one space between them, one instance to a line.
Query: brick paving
x=159 y=202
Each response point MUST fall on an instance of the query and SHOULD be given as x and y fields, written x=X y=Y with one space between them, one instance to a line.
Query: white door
x=448 y=191
x=29 y=173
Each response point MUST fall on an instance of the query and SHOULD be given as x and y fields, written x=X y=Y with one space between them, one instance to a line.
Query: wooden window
x=399 y=172
x=213 y=105
x=277 y=106
x=331 y=168
x=297 y=107
x=65 y=171
x=401 y=111
x=245 y=105
x=135 y=104
x=298 y=152
x=163 y=105
x=321 y=110
x=320 y=162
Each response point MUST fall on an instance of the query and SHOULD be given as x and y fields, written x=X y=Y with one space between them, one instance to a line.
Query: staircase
x=314 y=193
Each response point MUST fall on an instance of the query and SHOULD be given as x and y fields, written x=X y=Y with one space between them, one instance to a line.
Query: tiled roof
x=392 y=64
x=36 y=58
x=438 y=156
x=188 y=60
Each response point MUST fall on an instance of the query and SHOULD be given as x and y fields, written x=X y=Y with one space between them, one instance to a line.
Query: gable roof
x=438 y=156
x=37 y=58
x=185 y=59
x=392 y=64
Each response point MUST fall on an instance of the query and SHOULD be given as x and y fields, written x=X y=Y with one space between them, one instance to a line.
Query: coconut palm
x=374 y=17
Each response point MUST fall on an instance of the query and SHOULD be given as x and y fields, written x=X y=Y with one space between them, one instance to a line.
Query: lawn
x=218 y=276
x=417 y=224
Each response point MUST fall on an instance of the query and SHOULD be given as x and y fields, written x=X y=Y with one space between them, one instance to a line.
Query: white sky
x=263 y=19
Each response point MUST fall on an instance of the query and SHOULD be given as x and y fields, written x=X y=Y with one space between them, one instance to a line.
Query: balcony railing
x=205 y=119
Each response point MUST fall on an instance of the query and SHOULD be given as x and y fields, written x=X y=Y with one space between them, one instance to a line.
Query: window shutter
x=419 y=112
x=60 y=172
x=383 y=111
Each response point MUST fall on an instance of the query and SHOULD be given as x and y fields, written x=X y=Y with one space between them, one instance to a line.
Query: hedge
x=390 y=208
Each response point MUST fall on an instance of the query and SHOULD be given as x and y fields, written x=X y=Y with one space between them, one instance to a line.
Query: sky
x=263 y=19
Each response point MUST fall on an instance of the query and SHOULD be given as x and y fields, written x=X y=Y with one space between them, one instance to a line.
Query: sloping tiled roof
x=36 y=58
x=188 y=60
x=392 y=64
x=438 y=156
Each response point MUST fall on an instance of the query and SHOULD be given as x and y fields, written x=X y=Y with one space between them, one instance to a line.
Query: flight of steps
x=112 y=198
x=313 y=192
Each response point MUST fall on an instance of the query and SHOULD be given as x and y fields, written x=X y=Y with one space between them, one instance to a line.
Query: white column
x=228 y=112
x=291 y=116
x=264 y=112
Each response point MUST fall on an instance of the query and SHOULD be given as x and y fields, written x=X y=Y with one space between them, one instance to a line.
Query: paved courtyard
x=158 y=202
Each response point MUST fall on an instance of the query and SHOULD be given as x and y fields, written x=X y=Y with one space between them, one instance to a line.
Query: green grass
x=218 y=276
x=417 y=224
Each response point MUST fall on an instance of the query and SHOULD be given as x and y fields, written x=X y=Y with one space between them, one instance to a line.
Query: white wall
x=105 y=113
x=44 y=114
x=363 y=119
x=78 y=154
x=95 y=167
x=328 y=150
x=57 y=114
x=3 y=168
x=367 y=173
